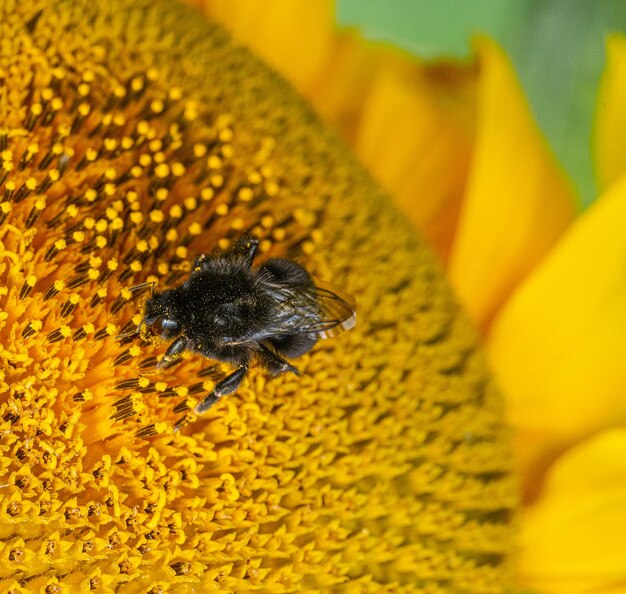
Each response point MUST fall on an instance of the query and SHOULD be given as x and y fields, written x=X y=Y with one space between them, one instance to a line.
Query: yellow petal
x=279 y=31
x=558 y=345
x=573 y=538
x=414 y=134
x=610 y=128
x=518 y=201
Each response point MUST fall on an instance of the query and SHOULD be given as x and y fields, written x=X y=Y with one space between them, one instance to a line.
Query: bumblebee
x=232 y=311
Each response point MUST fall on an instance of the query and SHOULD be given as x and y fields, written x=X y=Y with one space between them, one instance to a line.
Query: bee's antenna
x=142 y=286
x=130 y=333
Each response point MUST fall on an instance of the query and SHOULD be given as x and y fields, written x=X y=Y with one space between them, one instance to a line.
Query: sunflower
x=459 y=150
x=133 y=137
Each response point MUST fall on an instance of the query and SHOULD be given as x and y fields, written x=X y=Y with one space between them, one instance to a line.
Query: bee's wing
x=337 y=309
x=319 y=311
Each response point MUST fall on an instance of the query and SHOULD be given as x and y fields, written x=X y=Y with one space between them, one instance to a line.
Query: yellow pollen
x=255 y=178
x=237 y=224
x=279 y=234
x=110 y=144
x=199 y=150
x=157 y=106
x=162 y=194
x=226 y=135
x=271 y=188
x=214 y=162
x=217 y=180
x=246 y=194
x=178 y=169
x=191 y=112
x=101 y=225
x=156 y=216
x=162 y=170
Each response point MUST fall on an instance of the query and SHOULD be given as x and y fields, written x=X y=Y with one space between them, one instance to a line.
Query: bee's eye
x=168 y=325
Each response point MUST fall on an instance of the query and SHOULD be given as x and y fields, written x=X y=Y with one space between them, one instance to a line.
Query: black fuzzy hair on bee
x=230 y=311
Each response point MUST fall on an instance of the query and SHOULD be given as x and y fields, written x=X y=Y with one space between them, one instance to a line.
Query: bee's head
x=161 y=308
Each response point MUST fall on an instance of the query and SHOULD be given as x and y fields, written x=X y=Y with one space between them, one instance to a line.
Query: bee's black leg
x=274 y=363
x=251 y=246
x=227 y=386
x=197 y=261
x=174 y=351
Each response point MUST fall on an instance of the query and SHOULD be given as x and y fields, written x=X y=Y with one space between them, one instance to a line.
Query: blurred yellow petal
x=293 y=37
x=558 y=345
x=610 y=129
x=415 y=135
x=573 y=539
x=341 y=93
x=518 y=201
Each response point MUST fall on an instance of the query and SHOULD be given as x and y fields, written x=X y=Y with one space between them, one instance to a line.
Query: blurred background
x=556 y=46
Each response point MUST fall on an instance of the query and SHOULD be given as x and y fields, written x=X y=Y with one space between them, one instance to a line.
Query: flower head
x=133 y=137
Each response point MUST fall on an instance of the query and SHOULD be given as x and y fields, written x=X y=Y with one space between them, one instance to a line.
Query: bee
x=232 y=311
